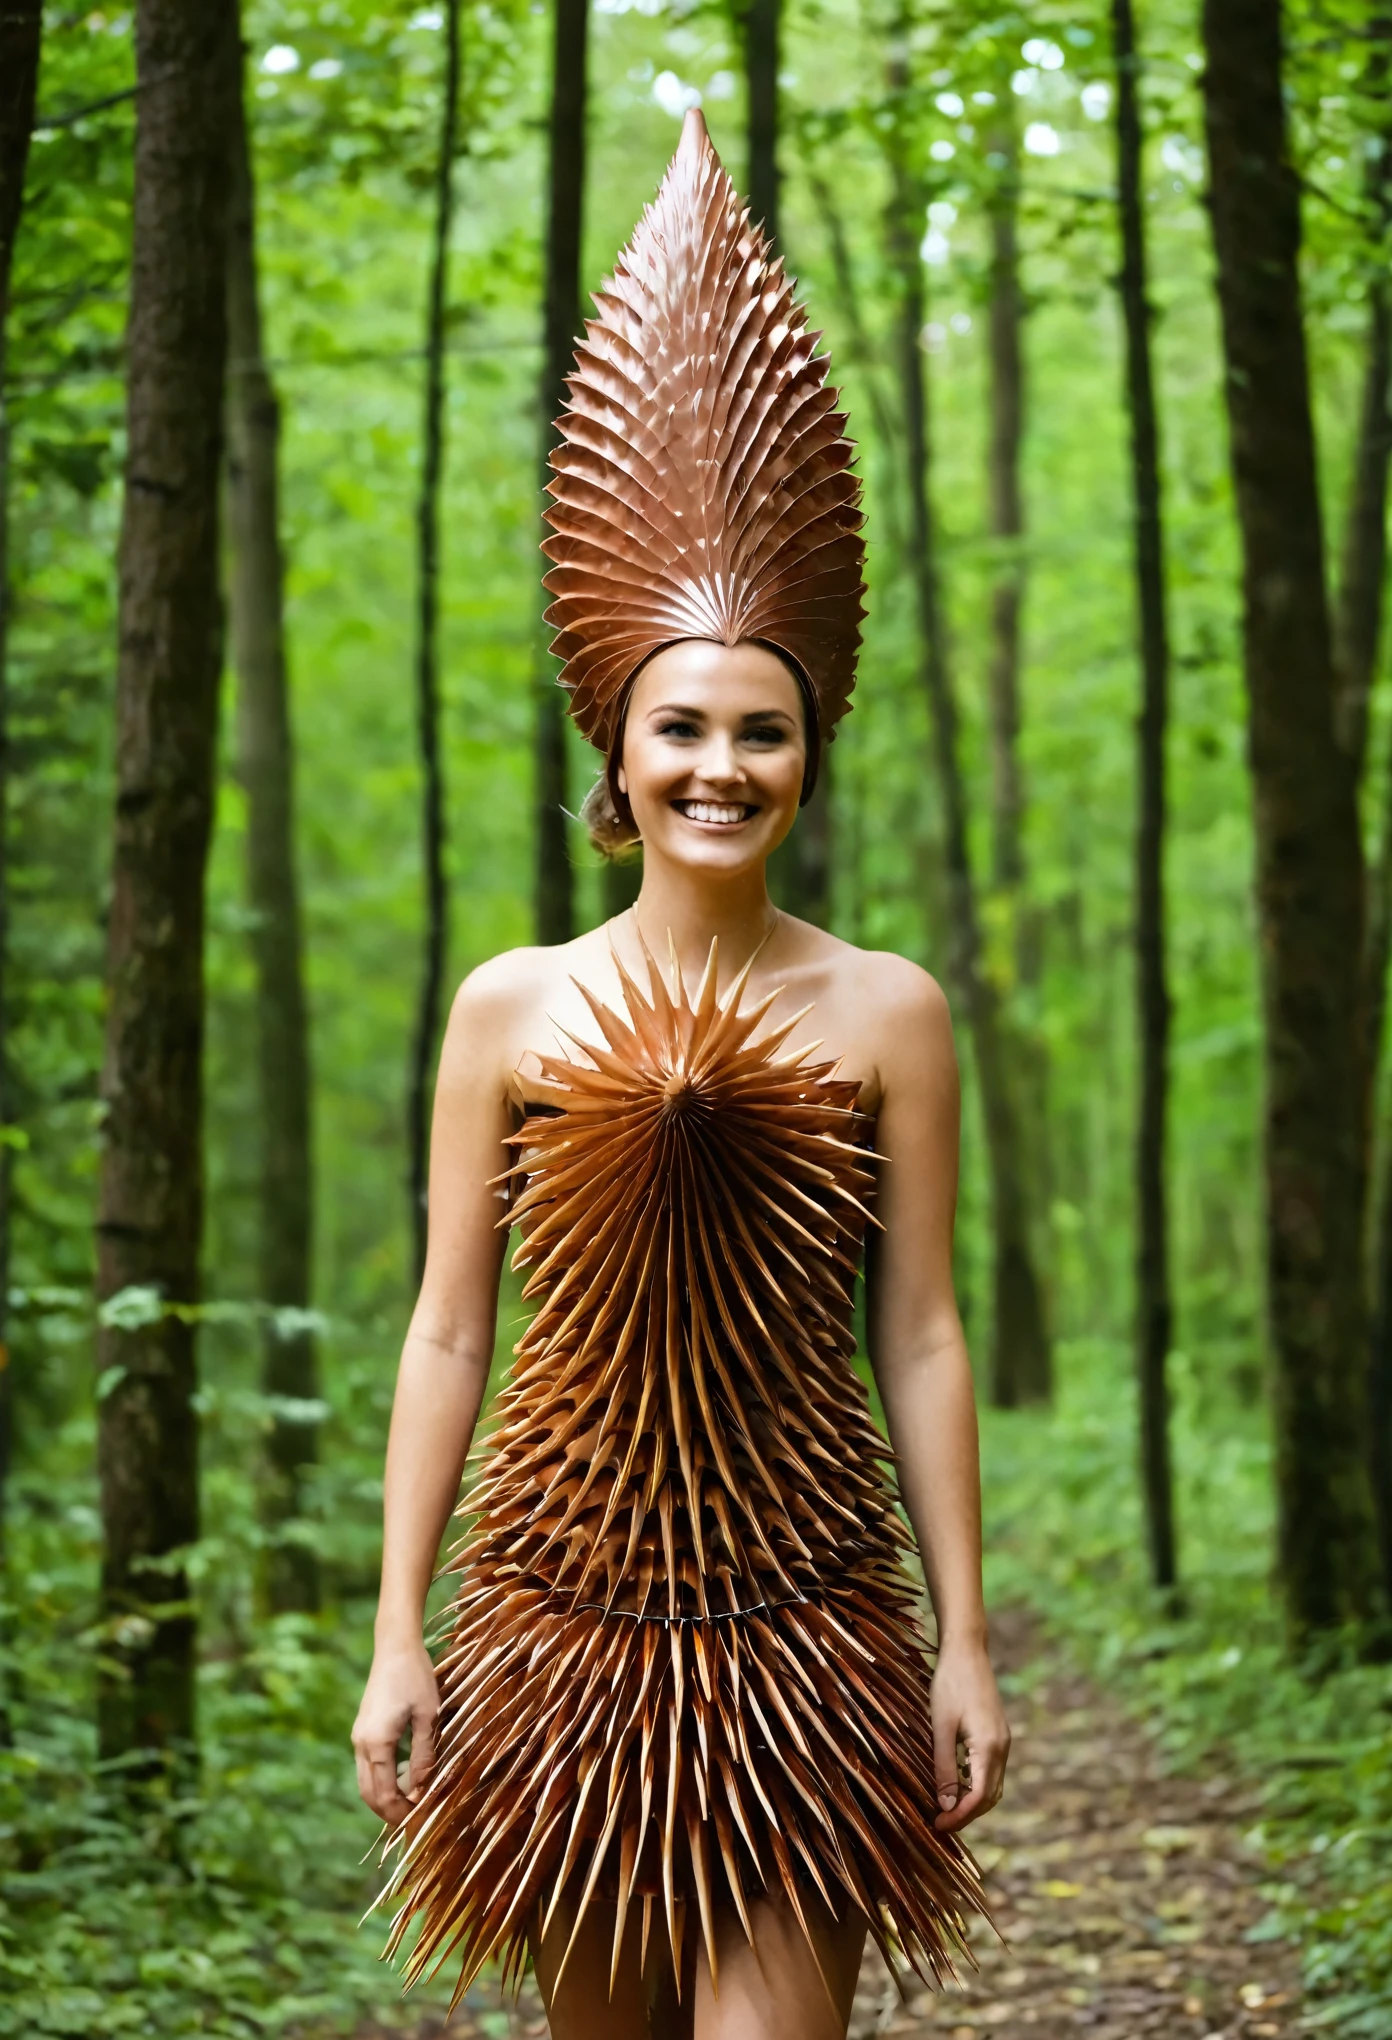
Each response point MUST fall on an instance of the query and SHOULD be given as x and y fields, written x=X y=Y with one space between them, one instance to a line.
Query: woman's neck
x=737 y=913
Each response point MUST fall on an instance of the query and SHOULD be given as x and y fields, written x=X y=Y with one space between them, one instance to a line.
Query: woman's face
x=713 y=754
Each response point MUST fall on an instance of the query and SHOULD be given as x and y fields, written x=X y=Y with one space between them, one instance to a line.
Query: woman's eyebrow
x=768 y=715
x=677 y=708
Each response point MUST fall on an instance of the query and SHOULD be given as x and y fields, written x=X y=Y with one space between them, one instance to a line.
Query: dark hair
x=605 y=811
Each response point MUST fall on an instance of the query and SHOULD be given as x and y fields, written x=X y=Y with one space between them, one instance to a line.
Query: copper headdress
x=703 y=482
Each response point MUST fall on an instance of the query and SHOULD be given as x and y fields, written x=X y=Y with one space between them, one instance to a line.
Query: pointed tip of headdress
x=695 y=138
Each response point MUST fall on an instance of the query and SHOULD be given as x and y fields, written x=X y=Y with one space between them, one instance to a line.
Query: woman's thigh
x=643 y=2003
x=781 y=1988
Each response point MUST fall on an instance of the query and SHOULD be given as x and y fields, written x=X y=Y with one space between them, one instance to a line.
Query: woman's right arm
x=440 y=1383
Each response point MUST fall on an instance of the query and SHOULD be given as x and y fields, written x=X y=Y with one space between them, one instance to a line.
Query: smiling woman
x=706 y=724
x=684 y=1747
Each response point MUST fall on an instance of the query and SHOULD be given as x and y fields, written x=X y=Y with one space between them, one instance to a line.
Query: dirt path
x=1126 y=1900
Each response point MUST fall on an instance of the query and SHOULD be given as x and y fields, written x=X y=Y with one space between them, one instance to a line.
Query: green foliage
x=232 y=1907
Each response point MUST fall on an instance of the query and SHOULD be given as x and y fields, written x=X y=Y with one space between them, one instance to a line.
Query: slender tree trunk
x=861 y=351
x=1020 y=1363
x=800 y=870
x=1358 y=638
x=1362 y=579
x=1154 y=1312
x=150 y=1199
x=256 y=612
x=554 y=885
x=1007 y=522
x=21 y=23
x=1358 y=616
x=762 y=30
x=1007 y=395
x=1309 y=859
x=427 y=1028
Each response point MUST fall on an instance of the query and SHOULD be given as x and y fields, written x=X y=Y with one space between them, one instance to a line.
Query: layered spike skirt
x=685 y=1667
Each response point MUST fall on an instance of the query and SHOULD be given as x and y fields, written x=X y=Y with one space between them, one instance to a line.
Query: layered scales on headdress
x=703 y=484
x=684 y=1666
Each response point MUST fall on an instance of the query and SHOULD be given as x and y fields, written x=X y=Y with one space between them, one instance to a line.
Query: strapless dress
x=684 y=1662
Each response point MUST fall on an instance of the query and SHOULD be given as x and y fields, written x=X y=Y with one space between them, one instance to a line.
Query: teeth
x=707 y=811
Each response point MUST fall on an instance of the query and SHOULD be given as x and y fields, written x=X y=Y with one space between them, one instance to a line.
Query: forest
x=288 y=294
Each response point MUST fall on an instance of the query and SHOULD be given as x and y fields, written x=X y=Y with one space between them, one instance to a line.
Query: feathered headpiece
x=703 y=482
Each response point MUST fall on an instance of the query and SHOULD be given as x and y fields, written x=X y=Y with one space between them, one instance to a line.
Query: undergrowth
x=232 y=1907
x=1213 y=1682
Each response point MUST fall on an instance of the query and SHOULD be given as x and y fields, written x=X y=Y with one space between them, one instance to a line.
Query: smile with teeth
x=723 y=813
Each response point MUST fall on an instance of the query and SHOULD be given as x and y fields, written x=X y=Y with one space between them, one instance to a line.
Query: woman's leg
x=780 y=1989
x=644 y=2001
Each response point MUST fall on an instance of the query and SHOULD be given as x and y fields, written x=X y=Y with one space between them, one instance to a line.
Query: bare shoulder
x=891 y=992
x=492 y=987
x=500 y=1009
x=887 y=1017
x=902 y=990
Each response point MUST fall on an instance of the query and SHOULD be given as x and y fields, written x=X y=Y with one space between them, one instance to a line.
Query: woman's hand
x=401 y=1693
x=967 y=1711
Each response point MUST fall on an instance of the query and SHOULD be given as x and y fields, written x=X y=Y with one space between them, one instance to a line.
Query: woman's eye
x=766 y=734
x=677 y=728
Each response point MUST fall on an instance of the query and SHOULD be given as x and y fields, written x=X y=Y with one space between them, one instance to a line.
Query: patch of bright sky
x=1041 y=139
x=674 y=95
x=279 y=59
x=1182 y=157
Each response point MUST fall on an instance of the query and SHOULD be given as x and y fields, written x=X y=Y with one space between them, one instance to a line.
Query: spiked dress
x=684 y=1667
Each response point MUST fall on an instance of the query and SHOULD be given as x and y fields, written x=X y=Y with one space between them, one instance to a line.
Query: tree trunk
x=1007 y=524
x=762 y=26
x=1309 y=859
x=256 y=613
x=1358 y=612
x=1020 y=1361
x=1006 y=318
x=150 y=1196
x=800 y=869
x=427 y=1028
x=554 y=884
x=1358 y=615
x=861 y=351
x=1153 y=1303
x=1358 y=637
x=21 y=22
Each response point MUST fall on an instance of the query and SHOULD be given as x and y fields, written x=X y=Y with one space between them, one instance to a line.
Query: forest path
x=1125 y=1898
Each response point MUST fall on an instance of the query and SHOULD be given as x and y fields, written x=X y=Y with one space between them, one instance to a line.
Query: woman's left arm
x=919 y=1354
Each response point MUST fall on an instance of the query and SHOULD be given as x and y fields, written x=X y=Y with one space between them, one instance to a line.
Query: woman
x=682 y=1747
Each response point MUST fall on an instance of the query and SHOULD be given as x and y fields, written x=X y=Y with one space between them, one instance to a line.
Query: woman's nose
x=718 y=762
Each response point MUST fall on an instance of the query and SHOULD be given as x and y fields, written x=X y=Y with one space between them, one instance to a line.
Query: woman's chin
x=707 y=848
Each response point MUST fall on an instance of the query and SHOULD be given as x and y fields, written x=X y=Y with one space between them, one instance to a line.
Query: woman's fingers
x=946 y=1728
x=423 y=1719
x=401 y=1694
x=986 y=1759
x=378 y=1785
x=374 y=1748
